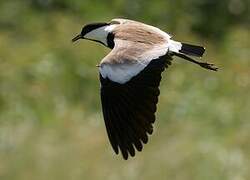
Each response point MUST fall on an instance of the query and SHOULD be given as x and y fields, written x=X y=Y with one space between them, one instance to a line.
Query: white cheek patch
x=100 y=34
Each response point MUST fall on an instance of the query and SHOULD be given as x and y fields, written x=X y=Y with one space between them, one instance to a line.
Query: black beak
x=79 y=36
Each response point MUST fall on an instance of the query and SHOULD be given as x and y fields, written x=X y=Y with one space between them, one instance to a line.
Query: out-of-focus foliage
x=51 y=124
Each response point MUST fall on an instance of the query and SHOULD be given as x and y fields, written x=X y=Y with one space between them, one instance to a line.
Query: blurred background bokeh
x=51 y=125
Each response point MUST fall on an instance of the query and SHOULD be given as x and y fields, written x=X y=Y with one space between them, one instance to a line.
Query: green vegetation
x=51 y=125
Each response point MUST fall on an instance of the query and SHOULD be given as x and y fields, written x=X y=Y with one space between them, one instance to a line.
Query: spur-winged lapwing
x=130 y=76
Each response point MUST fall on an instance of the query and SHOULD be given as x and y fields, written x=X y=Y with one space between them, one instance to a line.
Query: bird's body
x=133 y=51
x=130 y=76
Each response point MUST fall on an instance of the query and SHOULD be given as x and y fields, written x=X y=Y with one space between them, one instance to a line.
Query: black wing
x=129 y=109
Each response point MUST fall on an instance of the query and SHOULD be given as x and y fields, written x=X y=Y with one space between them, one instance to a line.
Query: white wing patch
x=123 y=72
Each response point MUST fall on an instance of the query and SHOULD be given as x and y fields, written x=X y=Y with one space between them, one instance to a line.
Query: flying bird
x=130 y=76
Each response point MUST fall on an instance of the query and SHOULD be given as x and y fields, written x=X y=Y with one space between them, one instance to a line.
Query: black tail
x=192 y=50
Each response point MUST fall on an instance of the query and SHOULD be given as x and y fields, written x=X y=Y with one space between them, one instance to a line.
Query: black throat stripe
x=110 y=40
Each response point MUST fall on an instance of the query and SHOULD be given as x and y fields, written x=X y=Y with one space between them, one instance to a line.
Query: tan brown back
x=138 y=32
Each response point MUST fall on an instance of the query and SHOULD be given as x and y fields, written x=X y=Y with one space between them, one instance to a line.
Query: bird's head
x=99 y=32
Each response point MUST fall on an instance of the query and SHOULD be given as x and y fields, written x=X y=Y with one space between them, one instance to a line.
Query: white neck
x=100 y=34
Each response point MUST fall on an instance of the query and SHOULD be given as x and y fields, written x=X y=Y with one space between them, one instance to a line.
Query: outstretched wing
x=129 y=108
x=130 y=76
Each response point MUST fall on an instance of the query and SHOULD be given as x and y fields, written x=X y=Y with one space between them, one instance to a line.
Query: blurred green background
x=51 y=125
